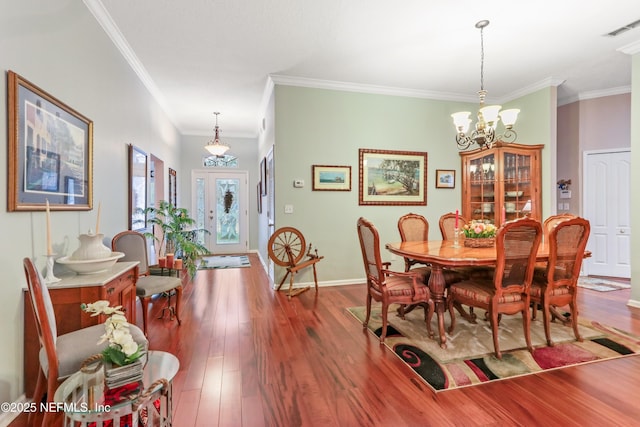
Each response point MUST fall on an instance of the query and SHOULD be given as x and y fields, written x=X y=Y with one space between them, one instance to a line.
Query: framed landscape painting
x=331 y=178
x=392 y=177
x=50 y=151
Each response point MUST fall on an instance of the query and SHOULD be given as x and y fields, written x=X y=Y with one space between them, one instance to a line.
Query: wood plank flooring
x=250 y=357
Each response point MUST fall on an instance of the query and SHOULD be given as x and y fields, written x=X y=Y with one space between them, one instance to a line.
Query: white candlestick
x=49 y=247
x=98 y=219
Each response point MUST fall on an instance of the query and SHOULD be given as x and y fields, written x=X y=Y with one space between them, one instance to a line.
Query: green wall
x=326 y=127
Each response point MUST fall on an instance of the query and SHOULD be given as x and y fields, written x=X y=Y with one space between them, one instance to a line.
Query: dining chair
x=390 y=287
x=540 y=271
x=413 y=228
x=60 y=355
x=447 y=225
x=517 y=244
x=559 y=286
x=134 y=247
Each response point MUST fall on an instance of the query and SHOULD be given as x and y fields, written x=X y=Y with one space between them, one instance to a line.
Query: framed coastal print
x=445 y=178
x=395 y=178
x=331 y=178
x=50 y=152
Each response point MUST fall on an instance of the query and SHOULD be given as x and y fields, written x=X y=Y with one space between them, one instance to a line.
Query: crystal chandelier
x=215 y=147
x=484 y=133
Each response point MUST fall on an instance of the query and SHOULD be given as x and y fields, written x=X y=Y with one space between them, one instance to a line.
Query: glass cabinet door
x=517 y=185
x=482 y=173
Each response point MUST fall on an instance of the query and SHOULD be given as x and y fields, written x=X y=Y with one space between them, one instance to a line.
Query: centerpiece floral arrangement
x=479 y=230
x=122 y=349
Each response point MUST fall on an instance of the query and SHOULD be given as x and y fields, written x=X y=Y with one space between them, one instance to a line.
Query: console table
x=116 y=285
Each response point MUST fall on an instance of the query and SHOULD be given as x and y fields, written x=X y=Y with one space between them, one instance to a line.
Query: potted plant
x=177 y=234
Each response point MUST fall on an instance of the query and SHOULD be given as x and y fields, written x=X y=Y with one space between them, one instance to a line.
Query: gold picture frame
x=50 y=151
x=394 y=178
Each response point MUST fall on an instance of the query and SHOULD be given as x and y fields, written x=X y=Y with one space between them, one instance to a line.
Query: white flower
x=116 y=330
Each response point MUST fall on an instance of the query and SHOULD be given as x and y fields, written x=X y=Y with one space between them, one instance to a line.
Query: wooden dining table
x=444 y=254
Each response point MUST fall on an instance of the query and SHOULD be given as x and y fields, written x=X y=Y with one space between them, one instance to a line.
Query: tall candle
x=98 y=219
x=457 y=218
x=49 y=248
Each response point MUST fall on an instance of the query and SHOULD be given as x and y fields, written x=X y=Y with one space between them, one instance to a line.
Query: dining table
x=441 y=254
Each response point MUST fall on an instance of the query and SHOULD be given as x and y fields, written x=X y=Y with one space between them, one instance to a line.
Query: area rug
x=469 y=358
x=601 y=285
x=224 y=261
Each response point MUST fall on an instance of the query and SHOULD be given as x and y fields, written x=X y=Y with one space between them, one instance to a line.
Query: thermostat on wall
x=565 y=194
x=298 y=183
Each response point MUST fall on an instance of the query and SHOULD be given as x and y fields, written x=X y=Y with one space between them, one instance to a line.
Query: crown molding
x=631 y=48
x=101 y=14
x=592 y=94
x=534 y=87
x=372 y=89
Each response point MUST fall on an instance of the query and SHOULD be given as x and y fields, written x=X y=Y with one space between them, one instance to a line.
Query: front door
x=221 y=207
x=606 y=205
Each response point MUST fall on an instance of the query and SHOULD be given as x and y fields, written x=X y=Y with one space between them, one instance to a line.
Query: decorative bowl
x=90 y=266
x=514 y=193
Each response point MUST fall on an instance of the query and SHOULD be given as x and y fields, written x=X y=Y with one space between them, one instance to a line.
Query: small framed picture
x=331 y=178
x=445 y=178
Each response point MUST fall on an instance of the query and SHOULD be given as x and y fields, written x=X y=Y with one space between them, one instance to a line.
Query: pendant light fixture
x=215 y=147
x=484 y=133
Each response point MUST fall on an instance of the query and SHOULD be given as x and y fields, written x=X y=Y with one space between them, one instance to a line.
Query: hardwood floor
x=249 y=357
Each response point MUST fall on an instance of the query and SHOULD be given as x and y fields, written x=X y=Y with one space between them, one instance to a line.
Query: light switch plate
x=288 y=209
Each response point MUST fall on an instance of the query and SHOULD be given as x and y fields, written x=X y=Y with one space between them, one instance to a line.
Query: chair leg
x=450 y=303
x=573 y=306
x=145 y=309
x=385 y=312
x=493 y=318
x=546 y=317
x=366 y=319
x=178 y=300
x=526 y=324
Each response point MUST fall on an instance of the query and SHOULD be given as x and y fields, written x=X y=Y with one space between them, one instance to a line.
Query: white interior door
x=221 y=203
x=607 y=180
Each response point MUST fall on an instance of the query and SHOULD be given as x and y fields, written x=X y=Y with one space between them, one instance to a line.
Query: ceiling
x=201 y=56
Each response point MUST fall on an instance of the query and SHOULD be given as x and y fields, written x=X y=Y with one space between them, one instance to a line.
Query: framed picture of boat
x=331 y=178
x=394 y=178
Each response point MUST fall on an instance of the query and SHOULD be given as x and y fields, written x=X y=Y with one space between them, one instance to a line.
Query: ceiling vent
x=622 y=29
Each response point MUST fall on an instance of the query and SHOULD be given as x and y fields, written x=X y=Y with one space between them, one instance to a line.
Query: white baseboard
x=633 y=303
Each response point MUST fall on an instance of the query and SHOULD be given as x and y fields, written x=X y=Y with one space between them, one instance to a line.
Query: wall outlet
x=298 y=183
x=288 y=209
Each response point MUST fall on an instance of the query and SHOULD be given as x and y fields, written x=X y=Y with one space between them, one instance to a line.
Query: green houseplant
x=176 y=233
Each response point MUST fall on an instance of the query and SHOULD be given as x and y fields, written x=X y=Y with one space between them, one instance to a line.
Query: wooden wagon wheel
x=285 y=241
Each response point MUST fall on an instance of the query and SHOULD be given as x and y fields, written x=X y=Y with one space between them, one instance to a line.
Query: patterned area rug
x=601 y=285
x=224 y=261
x=469 y=359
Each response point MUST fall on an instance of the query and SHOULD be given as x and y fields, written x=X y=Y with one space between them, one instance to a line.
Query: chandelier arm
x=509 y=135
x=463 y=141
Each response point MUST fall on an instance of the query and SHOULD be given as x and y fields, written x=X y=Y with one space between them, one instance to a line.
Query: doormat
x=601 y=285
x=469 y=358
x=224 y=261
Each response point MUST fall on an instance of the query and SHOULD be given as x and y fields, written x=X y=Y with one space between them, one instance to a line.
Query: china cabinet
x=502 y=183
